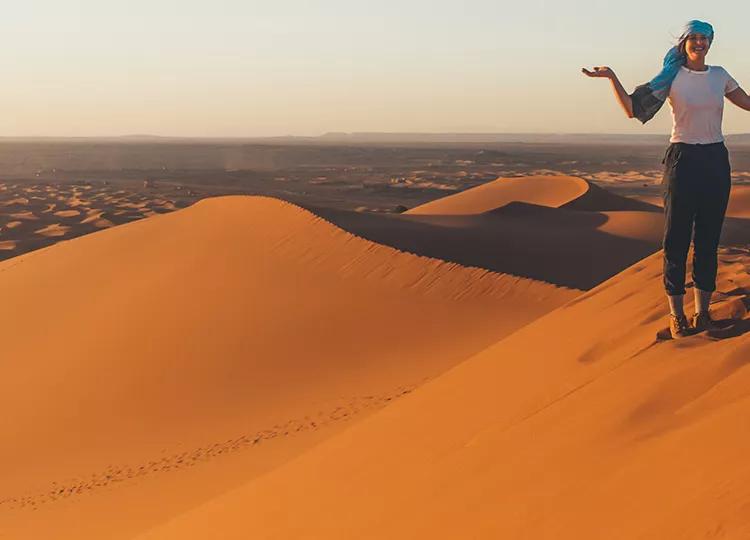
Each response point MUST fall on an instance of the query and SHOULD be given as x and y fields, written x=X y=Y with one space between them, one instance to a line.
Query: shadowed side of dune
x=597 y=199
x=558 y=246
x=551 y=433
x=576 y=235
x=739 y=201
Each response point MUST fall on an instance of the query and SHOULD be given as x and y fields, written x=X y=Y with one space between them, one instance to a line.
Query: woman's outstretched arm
x=622 y=96
x=740 y=98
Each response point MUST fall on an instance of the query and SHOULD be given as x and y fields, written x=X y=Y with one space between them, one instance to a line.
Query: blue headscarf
x=648 y=98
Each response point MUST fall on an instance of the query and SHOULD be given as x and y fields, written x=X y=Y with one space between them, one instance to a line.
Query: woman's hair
x=682 y=47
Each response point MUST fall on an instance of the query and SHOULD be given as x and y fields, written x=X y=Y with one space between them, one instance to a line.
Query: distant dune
x=34 y=215
x=739 y=201
x=539 y=138
x=558 y=229
x=553 y=191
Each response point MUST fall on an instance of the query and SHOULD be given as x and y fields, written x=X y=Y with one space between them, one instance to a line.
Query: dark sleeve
x=645 y=103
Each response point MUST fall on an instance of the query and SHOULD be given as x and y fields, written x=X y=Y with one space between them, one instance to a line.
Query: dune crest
x=576 y=242
x=552 y=191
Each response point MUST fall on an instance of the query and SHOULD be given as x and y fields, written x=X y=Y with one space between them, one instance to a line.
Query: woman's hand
x=599 y=71
x=622 y=96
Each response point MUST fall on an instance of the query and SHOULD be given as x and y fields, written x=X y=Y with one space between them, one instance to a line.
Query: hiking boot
x=703 y=321
x=678 y=326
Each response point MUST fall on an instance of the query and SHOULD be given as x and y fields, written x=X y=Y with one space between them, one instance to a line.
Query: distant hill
x=539 y=138
x=394 y=138
x=548 y=138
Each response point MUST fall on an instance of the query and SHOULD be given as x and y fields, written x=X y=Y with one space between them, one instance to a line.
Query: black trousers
x=697 y=181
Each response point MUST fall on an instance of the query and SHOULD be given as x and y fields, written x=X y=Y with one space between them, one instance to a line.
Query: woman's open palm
x=599 y=71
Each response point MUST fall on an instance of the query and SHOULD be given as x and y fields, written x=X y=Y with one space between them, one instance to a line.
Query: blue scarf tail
x=648 y=98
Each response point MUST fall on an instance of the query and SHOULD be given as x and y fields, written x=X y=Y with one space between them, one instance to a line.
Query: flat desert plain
x=492 y=362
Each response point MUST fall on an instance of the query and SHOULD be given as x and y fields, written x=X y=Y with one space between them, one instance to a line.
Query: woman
x=696 y=164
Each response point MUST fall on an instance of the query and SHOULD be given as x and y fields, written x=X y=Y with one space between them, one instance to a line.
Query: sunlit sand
x=249 y=368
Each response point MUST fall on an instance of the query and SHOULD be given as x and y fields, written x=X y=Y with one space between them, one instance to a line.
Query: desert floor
x=202 y=361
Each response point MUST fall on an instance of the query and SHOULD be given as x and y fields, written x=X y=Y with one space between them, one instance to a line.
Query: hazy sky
x=248 y=68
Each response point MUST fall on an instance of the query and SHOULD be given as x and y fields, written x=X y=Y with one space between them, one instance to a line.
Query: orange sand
x=739 y=202
x=239 y=318
x=542 y=190
x=581 y=425
x=54 y=229
x=245 y=369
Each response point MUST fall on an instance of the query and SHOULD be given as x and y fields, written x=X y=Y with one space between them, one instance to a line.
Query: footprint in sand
x=182 y=460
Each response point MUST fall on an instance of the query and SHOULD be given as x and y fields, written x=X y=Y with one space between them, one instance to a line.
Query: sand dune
x=578 y=244
x=597 y=199
x=252 y=369
x=249 y=330
x=63 y=210
x=581 y=425
x=555 y=245
x=67 y=213
x=98 y=219
x=26 y=214
x=54 y=229
x=739 y=201
x=18 y=201
x=541 y=190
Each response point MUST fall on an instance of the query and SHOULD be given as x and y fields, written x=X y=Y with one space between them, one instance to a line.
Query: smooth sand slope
x=581 y=425
x=542 y=190
x=577 y=242
x=155 y=365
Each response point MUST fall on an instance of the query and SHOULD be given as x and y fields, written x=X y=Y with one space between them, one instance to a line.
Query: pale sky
x=248 y=68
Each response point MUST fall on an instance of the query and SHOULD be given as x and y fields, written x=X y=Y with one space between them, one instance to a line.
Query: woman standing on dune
x=697 y=173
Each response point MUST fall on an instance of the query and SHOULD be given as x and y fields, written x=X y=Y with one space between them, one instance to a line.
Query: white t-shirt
x=697 y=102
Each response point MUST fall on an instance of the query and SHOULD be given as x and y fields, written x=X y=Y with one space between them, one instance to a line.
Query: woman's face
x=696 y=47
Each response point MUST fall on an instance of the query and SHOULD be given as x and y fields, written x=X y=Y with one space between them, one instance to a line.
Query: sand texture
x=494 y=365
x=581 y=425
x=236 y=321
x=37 y=215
